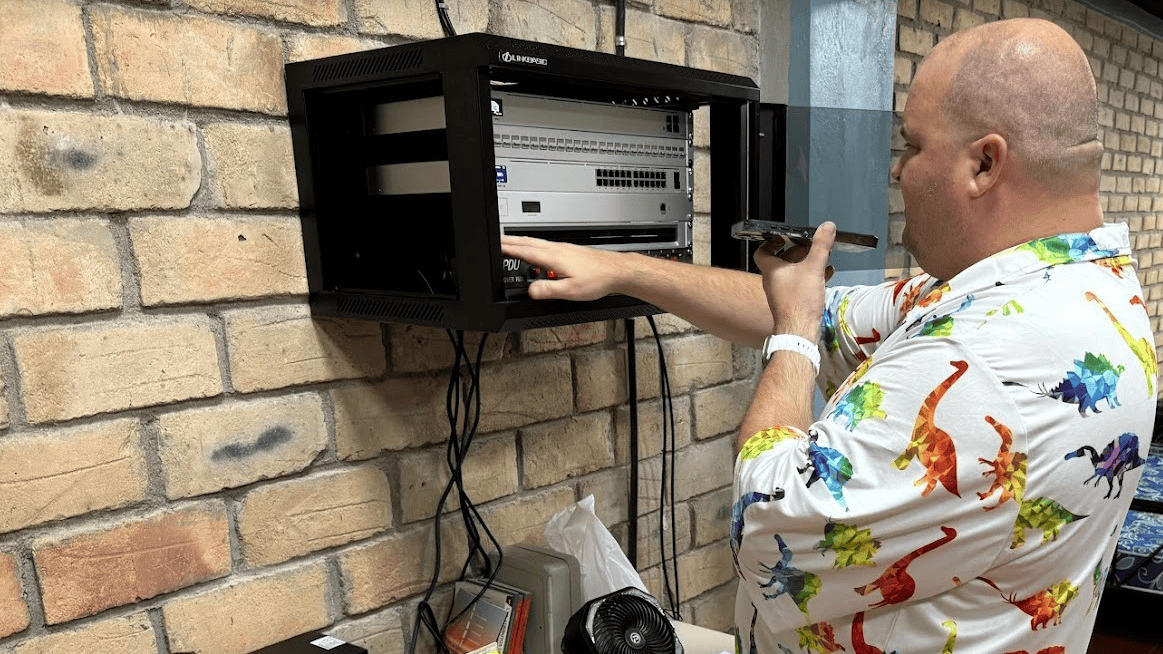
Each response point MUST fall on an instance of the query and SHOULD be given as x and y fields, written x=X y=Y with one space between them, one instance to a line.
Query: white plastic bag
x=604 y=568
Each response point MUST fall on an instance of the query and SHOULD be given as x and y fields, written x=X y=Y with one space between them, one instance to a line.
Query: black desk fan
x=627 y=621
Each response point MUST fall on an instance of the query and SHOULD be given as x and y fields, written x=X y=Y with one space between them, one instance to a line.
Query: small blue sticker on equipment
x=502 y=175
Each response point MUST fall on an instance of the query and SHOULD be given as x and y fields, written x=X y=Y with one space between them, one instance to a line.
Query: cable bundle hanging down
x=463 y=408
x=666 y=486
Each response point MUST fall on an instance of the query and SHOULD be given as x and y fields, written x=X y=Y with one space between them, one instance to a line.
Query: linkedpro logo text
x=509 y=57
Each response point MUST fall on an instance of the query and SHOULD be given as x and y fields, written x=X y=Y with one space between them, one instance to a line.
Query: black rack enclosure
x=432 y=256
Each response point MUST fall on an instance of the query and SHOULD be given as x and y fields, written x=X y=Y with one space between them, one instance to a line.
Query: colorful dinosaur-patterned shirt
x=964 y=487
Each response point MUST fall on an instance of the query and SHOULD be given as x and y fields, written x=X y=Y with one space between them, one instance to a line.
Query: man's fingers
x=822 y=242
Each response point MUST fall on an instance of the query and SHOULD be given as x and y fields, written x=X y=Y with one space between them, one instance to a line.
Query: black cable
x=668 y=450
x=632 y=389
x=461 y=434
x=620 y=27
x=445 y=21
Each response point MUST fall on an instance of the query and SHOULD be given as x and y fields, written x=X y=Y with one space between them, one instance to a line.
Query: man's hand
x=582 y=273
x=793 y=281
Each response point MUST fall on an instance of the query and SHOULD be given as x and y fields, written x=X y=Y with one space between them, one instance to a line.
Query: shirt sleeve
x=857 y=319
x=890 y=496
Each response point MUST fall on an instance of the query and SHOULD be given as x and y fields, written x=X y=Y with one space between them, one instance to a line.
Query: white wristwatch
x=776 y=342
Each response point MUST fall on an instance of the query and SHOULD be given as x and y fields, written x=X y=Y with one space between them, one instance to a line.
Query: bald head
x=1027 y=80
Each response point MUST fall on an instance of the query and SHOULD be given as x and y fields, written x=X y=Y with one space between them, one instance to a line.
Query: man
x=943 y=501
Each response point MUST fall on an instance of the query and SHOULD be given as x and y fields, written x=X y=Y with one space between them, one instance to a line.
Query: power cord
x=445 y=21
x=462 y=430
x=668 y=452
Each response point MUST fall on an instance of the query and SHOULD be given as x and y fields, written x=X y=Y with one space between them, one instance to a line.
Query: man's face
x=925 y=172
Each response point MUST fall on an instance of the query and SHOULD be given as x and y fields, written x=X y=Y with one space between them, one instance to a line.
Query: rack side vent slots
x=413 y=160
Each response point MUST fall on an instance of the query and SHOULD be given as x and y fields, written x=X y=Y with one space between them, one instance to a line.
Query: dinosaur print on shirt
x=788 y=580
x=860 y=403
x=1009 y=468
x=932 y=445
x=1142 y=348
x=1119 y=456
x=830 y=466
x=896 y=585
x=1094 y=378
x=819 y=637
x=1044 y=606
x=852 y=546
x=1043 y=514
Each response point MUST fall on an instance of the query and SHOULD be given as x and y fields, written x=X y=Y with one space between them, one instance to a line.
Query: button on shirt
x=964 y=487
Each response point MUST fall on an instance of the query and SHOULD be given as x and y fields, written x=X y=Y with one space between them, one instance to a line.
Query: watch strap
x=793 y=343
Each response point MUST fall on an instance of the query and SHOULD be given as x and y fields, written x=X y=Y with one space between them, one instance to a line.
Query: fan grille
x=631 y=625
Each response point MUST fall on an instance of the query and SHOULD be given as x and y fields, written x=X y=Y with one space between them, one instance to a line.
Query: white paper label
x=328 y=642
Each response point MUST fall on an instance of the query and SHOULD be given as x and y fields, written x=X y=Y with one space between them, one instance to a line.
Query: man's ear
x=989 y=156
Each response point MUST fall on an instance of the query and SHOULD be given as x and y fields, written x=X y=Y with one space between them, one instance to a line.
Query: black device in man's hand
x=766 y=230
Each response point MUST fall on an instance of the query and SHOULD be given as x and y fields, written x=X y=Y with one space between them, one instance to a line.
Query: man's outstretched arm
x=730 y=304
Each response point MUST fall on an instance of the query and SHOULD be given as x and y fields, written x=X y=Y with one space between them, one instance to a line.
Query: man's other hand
x=793 y=281
x=582 y=273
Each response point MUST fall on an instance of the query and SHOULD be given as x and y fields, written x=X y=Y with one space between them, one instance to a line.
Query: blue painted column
x=840 y=77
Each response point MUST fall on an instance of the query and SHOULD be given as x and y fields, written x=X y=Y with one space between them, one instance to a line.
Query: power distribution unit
x=413 y=160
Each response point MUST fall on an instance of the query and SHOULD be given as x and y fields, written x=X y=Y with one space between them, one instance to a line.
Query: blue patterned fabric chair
x=1138 y=561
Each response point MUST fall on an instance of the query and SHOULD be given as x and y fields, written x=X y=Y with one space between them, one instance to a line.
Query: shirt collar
x=1109 y=240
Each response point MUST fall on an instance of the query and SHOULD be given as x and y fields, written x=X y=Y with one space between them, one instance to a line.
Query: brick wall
x=1128 y=68
x=189 y=462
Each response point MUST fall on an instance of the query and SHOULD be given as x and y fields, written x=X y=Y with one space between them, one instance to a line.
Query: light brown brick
x=416 y=348
x=647 y=36
x=704 y=569
x=70 y=373
x=714 y=12
x=417 y=18
x=723 y=51
x=185 y=260
x=601 y=376
x=70 y=472
x=284 y=346
x=966 y=19
x=318 y=13
x=522 y=520
x=714 y=610
x=914 y=41
x=524 y=392
x=937 y=13
x=550 y=339
x=58 y=266
x=208 y=449
x=301 y=47
x=712 y=516
x=395 y=414
x=42 y=48
x=280 y=521
x=906 y=8
x=556 y=451
x=130 y=634
x=131 y=560
x=650 y=424
x=489 y=472
x=649 y=533
x=13 y=609
x=991 y=7
x=253 y=166
x=1015 y=9
x=699 y=360
x=611 y=491
x=249 y=614
x=561 y=22
x=187 y=59
x=381 y=632
x=57 y=160
x=700 y=468
x=398 y=566
x=720 y=409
